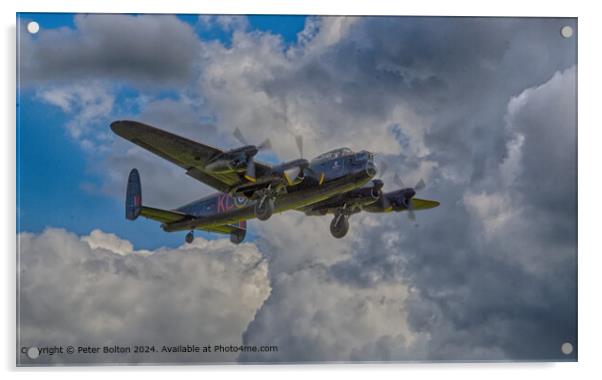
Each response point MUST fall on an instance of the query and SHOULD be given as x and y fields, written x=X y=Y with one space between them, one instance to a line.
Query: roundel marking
x=240 y=201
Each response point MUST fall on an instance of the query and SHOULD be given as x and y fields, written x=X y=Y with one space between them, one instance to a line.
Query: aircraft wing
x=163 y=216
x=423 y=204
x=187 y=154
x=167 y=217
x=227 y=228
x=331 y=205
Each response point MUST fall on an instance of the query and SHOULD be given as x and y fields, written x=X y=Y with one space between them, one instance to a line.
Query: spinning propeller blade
x=411 y=214
x=250 y=170
x=267 y=144
x=307 y=171
x=420 y=185
x=292 y=174
x=397 y=181
x=238 y=135
x=382 y=168
x=299 y=141
x=408 y=195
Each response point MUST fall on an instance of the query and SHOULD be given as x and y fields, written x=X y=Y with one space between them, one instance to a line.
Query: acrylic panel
x=295 y=189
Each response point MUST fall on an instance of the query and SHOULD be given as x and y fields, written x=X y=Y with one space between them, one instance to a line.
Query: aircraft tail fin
x=133 y=196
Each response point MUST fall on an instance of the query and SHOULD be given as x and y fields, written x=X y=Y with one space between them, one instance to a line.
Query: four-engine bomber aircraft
x=338 y=182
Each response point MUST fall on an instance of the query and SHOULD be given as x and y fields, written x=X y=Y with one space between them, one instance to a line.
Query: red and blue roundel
x=240 y=201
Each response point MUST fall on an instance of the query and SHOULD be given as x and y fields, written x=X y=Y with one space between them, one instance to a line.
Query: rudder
x=133 y=196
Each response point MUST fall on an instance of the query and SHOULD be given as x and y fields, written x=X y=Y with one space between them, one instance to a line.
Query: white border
x=323 y=7
x=589 y=178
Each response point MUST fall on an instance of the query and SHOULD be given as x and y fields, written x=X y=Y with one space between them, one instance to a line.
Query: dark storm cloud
x=492 y=270
x=513 y=288
x=460 y=72
x=151 y=50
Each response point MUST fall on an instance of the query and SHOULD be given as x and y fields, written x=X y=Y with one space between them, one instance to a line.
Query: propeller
x=408 y=204
x=382 y=168
x=299 y=141
x=266 y=144
x=397 y=181
x=403 y=197
x=238 y=134
x=305 y=171
x=407 y=193
x=292 y=174
x=420 y=185
x=250 y=170
x=407 y=196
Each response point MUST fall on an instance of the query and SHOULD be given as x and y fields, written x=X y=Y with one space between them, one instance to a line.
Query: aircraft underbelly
x=293 y=200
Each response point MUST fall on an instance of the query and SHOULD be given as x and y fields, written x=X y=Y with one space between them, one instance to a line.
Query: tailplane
x=133 y=196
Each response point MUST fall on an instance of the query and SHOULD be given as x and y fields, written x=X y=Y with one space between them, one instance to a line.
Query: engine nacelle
x=365 y=193
x=372 y=189
x=368 y=193
x=236 y=159
x=400 y=199
x=292 y=171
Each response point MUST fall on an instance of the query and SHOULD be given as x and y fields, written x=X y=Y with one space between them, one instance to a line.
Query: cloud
x=111 y=242
x=490 y=275
x=327 y=320
x=321 y=32
x=83 y=70
x=88 y=104
x=281 y=93
x=507 y=281
x=227 y=23
x=148 y=50
x=539 y=172
x=97 y=291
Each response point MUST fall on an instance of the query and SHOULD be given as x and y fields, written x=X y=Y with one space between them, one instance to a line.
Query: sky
x=70 y=185
x=483 y=109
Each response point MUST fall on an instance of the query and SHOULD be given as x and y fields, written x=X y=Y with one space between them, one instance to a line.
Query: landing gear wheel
x=189 y=237
x=264 y=208
x=339 y=226
x=237 y=237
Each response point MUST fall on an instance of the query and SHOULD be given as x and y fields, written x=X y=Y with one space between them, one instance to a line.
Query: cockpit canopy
x=341 y=152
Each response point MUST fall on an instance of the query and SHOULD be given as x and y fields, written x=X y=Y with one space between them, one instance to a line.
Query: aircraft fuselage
x=339 y=175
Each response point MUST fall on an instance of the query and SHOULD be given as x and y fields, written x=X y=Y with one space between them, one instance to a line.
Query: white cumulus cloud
x=96 y=291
